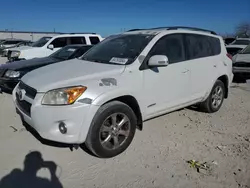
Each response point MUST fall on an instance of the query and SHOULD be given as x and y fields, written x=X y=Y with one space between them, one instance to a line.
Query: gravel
x=157 y=156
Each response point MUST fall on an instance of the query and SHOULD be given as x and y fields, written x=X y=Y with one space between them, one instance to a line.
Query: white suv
x=126 y=79
x=48 y=45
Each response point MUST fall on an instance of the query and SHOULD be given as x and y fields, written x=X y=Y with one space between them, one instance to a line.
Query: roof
x=78 y=45
x=160 y=29
x=76 y=34
x=38 y=32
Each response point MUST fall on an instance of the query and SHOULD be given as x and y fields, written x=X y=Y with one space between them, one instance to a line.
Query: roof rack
x=177 y=27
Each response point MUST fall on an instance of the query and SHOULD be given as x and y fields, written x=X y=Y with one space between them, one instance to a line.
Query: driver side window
x=59 y=42
x=171 y=46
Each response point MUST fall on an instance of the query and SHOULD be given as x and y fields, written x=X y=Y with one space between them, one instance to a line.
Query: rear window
x=241 y=42
x=94 y=40
x=199 y=46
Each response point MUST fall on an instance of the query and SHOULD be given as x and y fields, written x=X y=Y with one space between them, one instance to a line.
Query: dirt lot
x=157 y=156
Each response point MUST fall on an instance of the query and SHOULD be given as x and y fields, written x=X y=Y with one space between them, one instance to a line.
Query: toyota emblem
x=21 y=94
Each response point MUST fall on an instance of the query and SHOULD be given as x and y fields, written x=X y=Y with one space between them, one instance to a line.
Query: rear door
x=77 y=40
x=203 y=55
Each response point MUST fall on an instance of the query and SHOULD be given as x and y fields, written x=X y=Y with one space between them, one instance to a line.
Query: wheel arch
x=225 y=80
x=128 y=99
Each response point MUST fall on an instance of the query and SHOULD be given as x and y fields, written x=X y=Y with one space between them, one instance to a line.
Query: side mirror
x=158 y=61
x=51 y=47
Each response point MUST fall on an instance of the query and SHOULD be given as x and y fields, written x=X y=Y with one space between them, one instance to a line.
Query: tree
x=243 y=30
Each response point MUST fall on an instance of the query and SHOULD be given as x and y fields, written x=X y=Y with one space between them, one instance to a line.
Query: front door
x=58 y=43
x=166 y=87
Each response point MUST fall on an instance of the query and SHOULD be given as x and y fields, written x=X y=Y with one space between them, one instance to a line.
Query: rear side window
x=59 y=42
x=94 y=40
x=78 y=40
x=171 y=46
x=199 y=46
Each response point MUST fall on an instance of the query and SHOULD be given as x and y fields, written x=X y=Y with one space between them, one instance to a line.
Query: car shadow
x=27 y=177
x=240 y=79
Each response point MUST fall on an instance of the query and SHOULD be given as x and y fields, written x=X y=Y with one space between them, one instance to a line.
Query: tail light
x=229 y=56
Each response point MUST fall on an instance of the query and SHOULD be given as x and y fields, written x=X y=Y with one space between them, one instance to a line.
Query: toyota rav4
x=101 y=98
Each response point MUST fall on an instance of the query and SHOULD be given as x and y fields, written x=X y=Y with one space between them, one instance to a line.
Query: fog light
x=62 y=128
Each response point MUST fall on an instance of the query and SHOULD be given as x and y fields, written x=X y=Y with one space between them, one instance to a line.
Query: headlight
x=12 y=74
x=15 y=54
x=63 y=96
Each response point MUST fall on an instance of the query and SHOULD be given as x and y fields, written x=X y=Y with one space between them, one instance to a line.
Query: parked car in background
x=4 y=51
x=48 y=45
x=229 y=40
x=233 y=50
x=240 y=43
x=241 y=63
x=124 y=80
x=8 y=43
x=11 y=73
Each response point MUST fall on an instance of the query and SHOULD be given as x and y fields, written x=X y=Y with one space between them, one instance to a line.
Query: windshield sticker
x=71 y=50
x=118 y=60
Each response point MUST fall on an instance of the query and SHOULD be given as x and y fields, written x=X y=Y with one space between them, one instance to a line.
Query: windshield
x=246 y=50
x=119 y=49
x=241 y=42
x=41 y=42
x=65 y=52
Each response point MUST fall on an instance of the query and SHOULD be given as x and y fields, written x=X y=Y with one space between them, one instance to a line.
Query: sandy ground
x=157 y=156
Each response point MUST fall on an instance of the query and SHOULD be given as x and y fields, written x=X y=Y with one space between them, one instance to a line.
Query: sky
x=108 y=17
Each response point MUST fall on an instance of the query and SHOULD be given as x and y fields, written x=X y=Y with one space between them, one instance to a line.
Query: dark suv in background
x=11 y=73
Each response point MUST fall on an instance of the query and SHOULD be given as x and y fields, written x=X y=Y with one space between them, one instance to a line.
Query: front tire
x=112 y=130
x=215 y=99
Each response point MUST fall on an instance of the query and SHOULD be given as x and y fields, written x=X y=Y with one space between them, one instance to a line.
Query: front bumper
x=46 y=119
x=8 y=84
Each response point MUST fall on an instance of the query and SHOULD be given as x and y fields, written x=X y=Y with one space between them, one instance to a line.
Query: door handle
x=185 y=71
x=215 y=66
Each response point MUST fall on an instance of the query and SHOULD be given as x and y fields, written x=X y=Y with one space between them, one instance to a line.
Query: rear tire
x=215 y=99
x=112 y=130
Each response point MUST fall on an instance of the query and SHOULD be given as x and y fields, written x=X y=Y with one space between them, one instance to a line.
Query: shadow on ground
x=240 y=79
x=27 y=177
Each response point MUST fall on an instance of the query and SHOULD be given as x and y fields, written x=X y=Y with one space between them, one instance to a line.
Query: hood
x=242 y=58
x=29 y=64
x=21 y=48
x=69 y=73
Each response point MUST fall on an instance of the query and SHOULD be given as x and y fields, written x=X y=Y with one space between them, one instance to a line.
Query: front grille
x=29 y=91
x=241 y=64
x=24 y=105
x=9 y=54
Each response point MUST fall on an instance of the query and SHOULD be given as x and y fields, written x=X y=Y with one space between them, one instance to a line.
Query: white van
x=100 y=98
x=48 y=45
